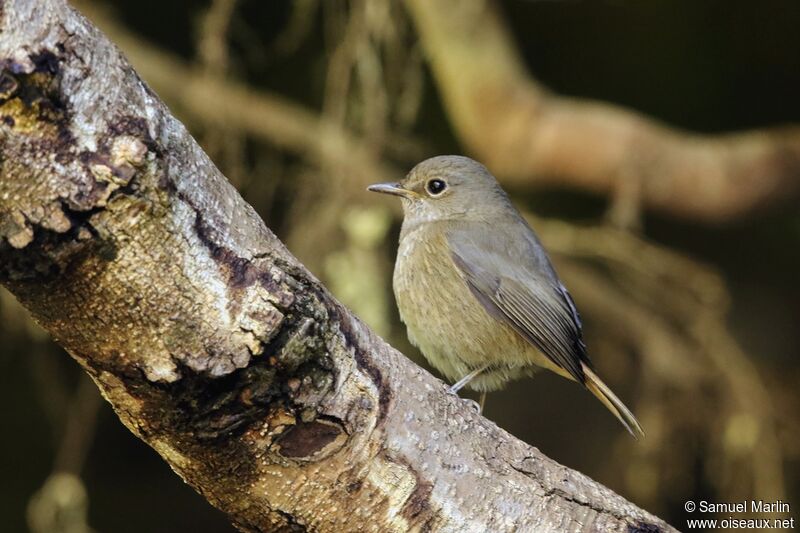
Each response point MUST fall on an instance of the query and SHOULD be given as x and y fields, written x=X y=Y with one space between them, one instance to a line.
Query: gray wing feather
x=518 y=286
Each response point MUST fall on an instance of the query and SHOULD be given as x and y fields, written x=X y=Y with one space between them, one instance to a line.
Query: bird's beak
x=391 y=188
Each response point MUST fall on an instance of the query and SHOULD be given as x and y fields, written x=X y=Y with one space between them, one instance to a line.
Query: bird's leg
x=482 y=401
x=457 y=386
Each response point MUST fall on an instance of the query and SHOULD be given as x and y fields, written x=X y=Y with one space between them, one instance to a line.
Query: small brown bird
x=476 y=289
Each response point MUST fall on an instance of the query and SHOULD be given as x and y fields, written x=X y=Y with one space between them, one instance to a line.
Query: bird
x=476 y=289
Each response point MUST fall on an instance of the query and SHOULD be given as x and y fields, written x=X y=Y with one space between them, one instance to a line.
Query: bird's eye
x=436 y=187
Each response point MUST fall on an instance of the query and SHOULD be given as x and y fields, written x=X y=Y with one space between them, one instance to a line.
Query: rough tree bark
x=526 y=134
x=212 y=343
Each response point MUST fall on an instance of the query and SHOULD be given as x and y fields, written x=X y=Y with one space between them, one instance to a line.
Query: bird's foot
x=475 y=406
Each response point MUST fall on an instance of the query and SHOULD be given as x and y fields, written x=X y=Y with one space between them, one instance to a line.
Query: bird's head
x=448 y=188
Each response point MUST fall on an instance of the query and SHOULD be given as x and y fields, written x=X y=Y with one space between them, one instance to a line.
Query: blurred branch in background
x=672 y=311
x=359 y=42
x=61 y=504
x=528 y=135
x=212 y=100
x=222 y=141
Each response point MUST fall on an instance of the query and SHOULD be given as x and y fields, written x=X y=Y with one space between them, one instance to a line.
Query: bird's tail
x=612 y=403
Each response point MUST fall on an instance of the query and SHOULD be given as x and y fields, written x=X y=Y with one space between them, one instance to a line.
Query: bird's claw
x=475 y=406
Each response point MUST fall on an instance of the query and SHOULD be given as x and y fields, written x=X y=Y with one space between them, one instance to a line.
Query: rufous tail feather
x=612 y=403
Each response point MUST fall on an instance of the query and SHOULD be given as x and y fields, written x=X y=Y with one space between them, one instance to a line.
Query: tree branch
x=525 y=134
x=212 y=343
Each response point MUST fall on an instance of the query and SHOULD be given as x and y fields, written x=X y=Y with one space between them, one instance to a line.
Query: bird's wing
x=516 y=284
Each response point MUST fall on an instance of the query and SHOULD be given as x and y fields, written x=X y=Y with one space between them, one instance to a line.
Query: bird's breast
x=444 y=320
